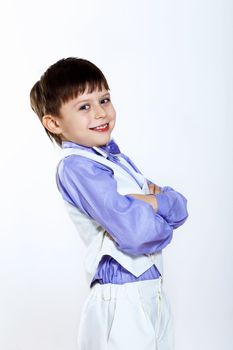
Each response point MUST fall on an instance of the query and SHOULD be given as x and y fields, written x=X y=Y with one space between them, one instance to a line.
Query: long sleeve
x=172 y=206
x=134 y=225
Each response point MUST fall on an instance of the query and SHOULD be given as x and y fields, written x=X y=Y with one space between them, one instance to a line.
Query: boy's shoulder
x=80 y=163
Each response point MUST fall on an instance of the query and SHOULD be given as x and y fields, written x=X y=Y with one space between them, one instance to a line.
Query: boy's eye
x=105 y=100
x=84 y=107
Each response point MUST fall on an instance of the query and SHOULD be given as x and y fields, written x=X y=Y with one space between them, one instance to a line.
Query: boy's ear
x=51 y=123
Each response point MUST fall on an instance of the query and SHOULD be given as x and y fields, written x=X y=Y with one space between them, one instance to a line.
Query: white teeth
x=101 y=127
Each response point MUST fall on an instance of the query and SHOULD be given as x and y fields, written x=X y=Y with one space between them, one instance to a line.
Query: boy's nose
x=99 y=112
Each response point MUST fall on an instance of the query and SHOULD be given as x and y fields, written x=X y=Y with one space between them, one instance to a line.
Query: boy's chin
x=105 y=140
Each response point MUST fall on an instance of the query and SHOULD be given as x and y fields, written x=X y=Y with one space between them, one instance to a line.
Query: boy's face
x=80 y=115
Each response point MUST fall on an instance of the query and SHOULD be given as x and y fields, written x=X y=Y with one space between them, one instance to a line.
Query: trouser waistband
x=147 y=288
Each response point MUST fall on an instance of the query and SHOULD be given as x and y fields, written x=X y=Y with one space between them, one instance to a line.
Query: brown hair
x=62 y=81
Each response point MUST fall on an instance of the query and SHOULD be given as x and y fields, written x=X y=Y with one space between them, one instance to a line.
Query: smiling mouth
x=103 y=127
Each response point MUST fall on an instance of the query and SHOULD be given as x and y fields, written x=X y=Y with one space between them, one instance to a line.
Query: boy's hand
x=154 y=189
x=148 y=198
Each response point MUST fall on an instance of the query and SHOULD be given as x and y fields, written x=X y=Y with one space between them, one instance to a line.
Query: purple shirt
x=91 y=187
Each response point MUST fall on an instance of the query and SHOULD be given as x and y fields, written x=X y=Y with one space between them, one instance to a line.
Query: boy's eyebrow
x=86 y=100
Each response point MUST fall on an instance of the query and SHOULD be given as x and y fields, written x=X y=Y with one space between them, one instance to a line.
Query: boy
x=124 y=219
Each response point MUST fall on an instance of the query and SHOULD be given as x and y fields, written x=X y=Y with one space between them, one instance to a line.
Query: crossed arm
x=168 y=203
x=93 y=189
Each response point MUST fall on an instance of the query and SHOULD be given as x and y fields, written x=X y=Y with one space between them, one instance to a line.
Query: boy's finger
x=157 y=189
x=154 y=189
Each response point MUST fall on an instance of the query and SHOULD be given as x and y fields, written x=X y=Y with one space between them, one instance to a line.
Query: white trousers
x=133 y=315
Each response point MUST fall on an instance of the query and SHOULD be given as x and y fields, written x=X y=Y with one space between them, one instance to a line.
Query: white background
x=169 y=67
